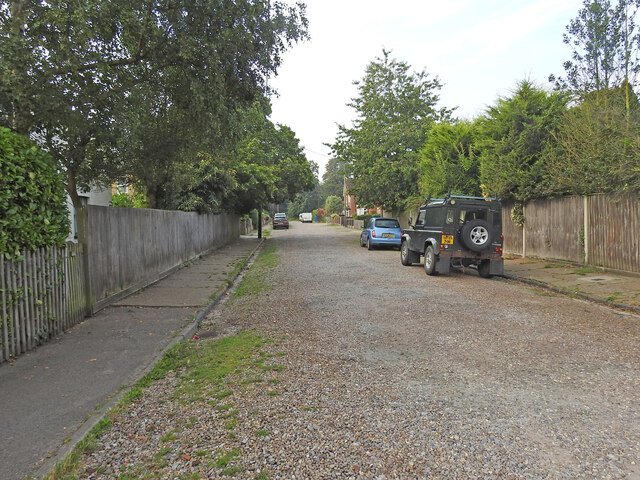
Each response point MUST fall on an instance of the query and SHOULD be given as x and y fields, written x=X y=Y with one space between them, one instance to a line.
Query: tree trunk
x=72 y=189
x=259 y=222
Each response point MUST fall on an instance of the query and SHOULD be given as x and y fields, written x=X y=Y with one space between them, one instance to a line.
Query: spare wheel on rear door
x=476 y=235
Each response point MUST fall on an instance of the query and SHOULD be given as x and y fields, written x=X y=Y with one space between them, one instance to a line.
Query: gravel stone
x=386 y=373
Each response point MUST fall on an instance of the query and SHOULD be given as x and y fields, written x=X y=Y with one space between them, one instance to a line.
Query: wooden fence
x=129 y=248
x=598 y=230
x=42 y=295
x=342 y=220
x=48 y=291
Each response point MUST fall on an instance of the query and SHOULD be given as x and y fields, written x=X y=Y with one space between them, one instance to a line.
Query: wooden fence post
x=83 y=243
x=524 y=231
x=586 y=228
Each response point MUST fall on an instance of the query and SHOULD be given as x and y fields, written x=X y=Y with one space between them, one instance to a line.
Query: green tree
x=594 y=39
x=605 y=47
x=33 y=209
x=598 y=146
x=69 y=70
x=333 y=204
x=304 y=202
x=164 y=144
x=598 y=140
x=333 y=178
x=448 y=161
x=512 y=138
x=395 y=111
x=267 y=165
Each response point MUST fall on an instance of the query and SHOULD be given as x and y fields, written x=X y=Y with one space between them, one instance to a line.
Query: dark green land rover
x=456 y=231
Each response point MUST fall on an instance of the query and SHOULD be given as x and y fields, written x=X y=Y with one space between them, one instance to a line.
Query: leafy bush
x=33 y=209
x=333 y=204
x=134 y=200
x=254 y=216
x=366 y=216
x=320 y=214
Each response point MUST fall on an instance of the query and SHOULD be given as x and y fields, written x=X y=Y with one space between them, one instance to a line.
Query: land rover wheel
x=484 y=268
x=476 y=235
x=404 y=254
x=430 y=261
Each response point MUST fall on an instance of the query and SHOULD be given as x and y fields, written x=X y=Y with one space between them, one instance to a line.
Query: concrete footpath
x=616 y=289
x=50 y=397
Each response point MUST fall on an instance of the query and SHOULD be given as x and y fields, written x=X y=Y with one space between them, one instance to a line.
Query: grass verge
x=203 y=367
x=253 y=282
x=586 y=270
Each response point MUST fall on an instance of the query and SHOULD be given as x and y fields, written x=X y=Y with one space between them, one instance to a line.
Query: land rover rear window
x=451 y=213
x=472 y=214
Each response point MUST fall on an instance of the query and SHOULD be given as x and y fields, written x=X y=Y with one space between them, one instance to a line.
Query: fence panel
x=553 y=229
x=613 y=231
x=511 y=232
x=129 y=248
x=75 y=295
x=47 y=291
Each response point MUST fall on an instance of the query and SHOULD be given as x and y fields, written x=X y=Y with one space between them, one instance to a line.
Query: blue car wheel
x=369 y=244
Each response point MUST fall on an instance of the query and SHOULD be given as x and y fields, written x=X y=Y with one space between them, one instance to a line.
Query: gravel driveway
x=387 y=373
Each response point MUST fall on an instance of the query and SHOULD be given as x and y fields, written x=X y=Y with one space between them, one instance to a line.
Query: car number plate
x=388 y=235
x=447 y=239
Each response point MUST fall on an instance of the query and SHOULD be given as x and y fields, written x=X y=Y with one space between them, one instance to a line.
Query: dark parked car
x=280 y=221
x=456 y=231
x=381 y=231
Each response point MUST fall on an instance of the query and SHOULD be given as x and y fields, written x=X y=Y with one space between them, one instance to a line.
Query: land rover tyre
x=484 y=268
x=476 y=235
x=405 y=254
x=430 y=261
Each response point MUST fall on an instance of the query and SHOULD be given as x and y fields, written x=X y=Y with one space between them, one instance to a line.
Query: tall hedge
x=33 y=209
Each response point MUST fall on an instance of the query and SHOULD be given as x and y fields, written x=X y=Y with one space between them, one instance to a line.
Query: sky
x=479 y=49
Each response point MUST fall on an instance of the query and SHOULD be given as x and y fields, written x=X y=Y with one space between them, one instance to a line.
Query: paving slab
x=165 y=296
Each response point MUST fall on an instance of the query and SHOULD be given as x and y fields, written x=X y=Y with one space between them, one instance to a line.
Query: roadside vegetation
x=203 y=372
x=163 y=115
x=181 y=109
x=579 y=135
x=33 y=212
x=254 y=281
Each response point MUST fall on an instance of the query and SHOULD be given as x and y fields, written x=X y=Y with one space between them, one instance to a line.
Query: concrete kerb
x=568 y=292
x=187 y=333
x=198 y=320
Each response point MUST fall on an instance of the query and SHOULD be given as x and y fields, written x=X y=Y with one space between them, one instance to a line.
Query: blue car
x=381 y=232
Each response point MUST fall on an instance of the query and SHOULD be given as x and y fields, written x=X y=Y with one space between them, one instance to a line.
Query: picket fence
x=42 y=295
